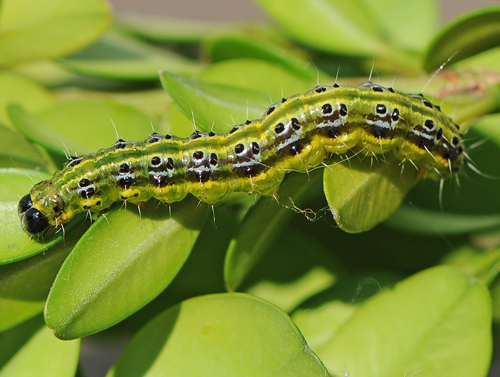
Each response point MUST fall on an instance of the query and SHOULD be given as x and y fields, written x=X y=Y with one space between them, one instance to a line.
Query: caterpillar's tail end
x=33 y=221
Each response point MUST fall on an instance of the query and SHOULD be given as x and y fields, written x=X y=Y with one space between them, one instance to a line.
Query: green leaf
x=53 y=75
x=323 y=315
x=16 y=151
x=38 y=131
x=219 y=335
x=242 y=46
x=333 y=26
x=467 y=35
x=15 y=244
x=151 y=102
x=124 y=261
x=436 y=323
x=229 y=93
x=203 y=271
x=15 y=183
x=123 y=58
x=488 y=126
x=489 y=59
x=25 y=285
x=40 y=355
x=18 y=89
x=13 y=339
x=296 y=267
x=213 y=105
x=379 y=248
x=177 y=123
x=361 y=195
x=481 y=264
x=259 y=75
x=36 y=29
x=495 y=295
x=401 y=30
x=270 y=80
x=91 y=128
x=422 y=221
x=266 y=220
x=169 y=30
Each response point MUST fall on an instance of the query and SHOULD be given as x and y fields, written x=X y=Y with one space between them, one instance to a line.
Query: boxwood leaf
x=467 y=35
x=262 y=224
x=41 y=354
x=170 y=30
x=422 y=221
x=213 y=105
x=361 y=195
x=323 y=315
x=18 y=89
x=241 y=46
x=49 y=29
x=219 y=335
x=15 y=244
x=436 y=323
x=25 y=285
x=314 y=23
x=119 y=265
x=401 y=30
x=93 y=125
x=488 y=125
x=17 y=152
x=120 y=57
x=476 y=262
x=296 y=267
x=259 y=75
x=231 y=92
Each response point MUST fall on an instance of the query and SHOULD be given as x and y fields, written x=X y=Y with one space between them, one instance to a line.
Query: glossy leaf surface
x=219 y=335
x=123 y=262
x=49 y=29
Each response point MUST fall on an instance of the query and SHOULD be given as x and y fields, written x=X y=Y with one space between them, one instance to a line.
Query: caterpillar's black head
x=32 y=220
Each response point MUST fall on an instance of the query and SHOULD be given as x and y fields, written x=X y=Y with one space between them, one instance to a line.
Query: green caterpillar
x=295 y=134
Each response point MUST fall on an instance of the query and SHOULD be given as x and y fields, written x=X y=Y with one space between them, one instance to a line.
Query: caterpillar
x=295 y=134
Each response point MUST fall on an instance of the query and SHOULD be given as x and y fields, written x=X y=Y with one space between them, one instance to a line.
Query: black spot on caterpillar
x=295 y=134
